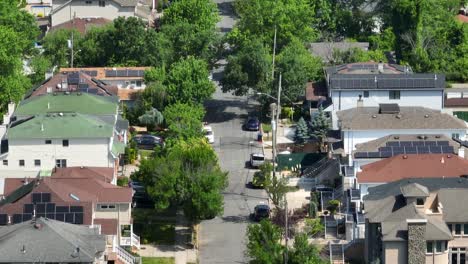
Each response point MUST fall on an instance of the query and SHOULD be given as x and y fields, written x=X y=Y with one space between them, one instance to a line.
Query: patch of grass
x=147 y=260
x=154 y=227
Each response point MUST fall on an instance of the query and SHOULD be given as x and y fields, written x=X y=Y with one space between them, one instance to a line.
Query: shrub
x=122 y=181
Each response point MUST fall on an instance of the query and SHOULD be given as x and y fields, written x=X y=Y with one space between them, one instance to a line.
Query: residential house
x=63 y=10
x=393 y=145
x=456 y=101
x=371 y=84
x=60 y=130
x=363 y=124
x=128 y=80
x=66 y=82
x=44 y=240
x=418 y=220
x=82 y=196
x=326 y=50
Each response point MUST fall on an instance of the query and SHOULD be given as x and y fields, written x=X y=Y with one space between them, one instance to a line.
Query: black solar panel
x=92 y=91
x=27 y=217
x=91 y=73
x=111 y=73
x=398 y=149
x=393 y=144
x=70 y=218
x=83 y=86
x=17 y=218
x=46 y=197
x=62 y=209
x=36 y=198
x=423 y=151
x=447 y=149
x=50 y=208
x=442 y=143
x=430 y=143
x=76 y=209
x=386 y=154
x=360 y=219
x=133 y=73
x=50 y=216
x=435 y=149
x=73 y=80
x=373 y=154
x=3 y=219
x=418 y=143
x=121 y=73
x=60 y=217
x=40 y=208
x=411 y=149
x=28 y=208
x=79 y=218
x=360 y=155
x=381 y=149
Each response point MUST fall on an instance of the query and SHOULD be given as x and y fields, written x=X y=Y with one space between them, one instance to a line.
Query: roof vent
x=73 y=114
x=442 y=160
x=423 y=137
x=74 y=197
x=449 y=156
x=374 y=116
x=398 y=116
x=23 y=249
x=37 y=226
x=405 y=156
x=435 y=77
x=396 y=137
x=437 y=136
x=60 y=114
x=426 y=116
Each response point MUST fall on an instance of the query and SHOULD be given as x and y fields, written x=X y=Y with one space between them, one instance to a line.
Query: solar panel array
x=41 y=204
x=394 y=148
x=91 y=73
x=73 y=78
x=125 y=73
x=373 y=81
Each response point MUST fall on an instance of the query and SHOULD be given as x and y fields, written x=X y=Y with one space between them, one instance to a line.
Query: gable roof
x=99 y=173
x=68 y=125
x=82 y=24
x=413 y=166
x=49 y=241
x=414 y=190
x=370 y=118
x=82 y=103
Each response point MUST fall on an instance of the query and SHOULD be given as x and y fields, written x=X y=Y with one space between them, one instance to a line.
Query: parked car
x=257 y=159
x=209 y=135
x=252 y=124
x=261 y=211
x=148 y=141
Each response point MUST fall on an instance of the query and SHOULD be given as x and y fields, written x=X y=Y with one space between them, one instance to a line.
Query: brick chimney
x=416 y=241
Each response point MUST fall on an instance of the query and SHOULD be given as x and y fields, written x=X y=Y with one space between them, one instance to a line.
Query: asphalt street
x=222 y=239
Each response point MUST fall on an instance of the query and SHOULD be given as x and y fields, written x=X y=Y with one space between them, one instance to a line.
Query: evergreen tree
x=320 y=126
x=302 y=131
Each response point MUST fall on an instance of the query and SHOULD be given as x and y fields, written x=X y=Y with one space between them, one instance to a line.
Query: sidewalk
x=183 y=253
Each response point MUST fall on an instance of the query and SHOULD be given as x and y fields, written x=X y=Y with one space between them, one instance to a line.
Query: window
x=48 y=141
x=419 y=201
x=102 y=3
x=438 y=248
x=465 y=229
x=450 y=227
x=61 y=163
x=138 y=83
x=106 y=206
x=429 y=247
x=37 y=163
x=5 y=162
x=394 y=95
x=65 y=142
x=88 y=2
x=366 y=94
x=21 y=163
x=457 y=229
x=456 y=135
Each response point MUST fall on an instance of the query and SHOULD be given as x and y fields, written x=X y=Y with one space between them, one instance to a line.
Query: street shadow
x=247 y=164
x=236 y=219
x=216 y=110
x=226 y=9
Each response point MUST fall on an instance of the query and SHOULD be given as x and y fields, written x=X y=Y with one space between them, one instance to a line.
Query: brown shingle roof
x=100 y=173
x=82 y=24
x=413 y=166
x=316 y=91
x=368 y=118
x=108 y=226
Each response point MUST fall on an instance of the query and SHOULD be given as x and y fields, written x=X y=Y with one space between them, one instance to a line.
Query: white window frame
x=107 y=206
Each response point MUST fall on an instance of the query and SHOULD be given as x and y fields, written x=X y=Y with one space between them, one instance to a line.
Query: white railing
x=135 y=241
x=126 y=257
x=125 y=241
x=132 y=240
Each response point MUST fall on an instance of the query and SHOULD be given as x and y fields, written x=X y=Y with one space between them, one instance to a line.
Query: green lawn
x=147 y=260
x=153 y=230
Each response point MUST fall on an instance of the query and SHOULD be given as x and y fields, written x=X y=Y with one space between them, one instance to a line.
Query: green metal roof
x=18 y=193
x=83 y=103
x=61 y=126
x=118 y=147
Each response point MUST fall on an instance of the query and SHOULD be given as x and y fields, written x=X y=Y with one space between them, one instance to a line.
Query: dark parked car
x=261 y=211
x=252 y=124
x=148 y=141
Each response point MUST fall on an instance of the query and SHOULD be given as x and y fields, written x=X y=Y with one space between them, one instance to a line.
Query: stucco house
x=79 y=195
x=418 y=220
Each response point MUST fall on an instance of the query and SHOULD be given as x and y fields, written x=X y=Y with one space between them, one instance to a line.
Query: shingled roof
x=49 y=241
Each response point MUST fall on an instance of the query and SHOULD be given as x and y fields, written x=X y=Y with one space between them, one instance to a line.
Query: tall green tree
x=320 y=126
x=201 y=13
x=151 y=118
x=187 y=81
x=263 y=245
x=303 y=252
x=39 y=65
x=302 y=131
x=56 y=48
x=184 y=120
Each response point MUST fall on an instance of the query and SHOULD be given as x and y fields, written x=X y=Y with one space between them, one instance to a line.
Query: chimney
x=380 y=67
x=416 y=241
x=442 y=160
x=461 y=152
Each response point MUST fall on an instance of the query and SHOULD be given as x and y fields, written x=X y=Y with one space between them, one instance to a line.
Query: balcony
x=132 y=240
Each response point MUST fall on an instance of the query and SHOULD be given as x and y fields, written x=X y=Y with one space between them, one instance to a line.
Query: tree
x=56 y=48
x=249 y=68
x=276 y=189
x=151 y=118
x=259 y=177
x=187 y=81
x=333 y=206
x=186 y=174
x=313 y=227
x=304 y=253
x=40 y=65
x=298 y=67
x=263 y=245
x=320 y=126
x=184 y=120
x=302 y=131
x=353 y=55
x=201 y=13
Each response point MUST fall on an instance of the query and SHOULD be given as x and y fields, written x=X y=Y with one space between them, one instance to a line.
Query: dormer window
x=420 y=201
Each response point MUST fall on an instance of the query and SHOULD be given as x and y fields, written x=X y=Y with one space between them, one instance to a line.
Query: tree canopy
x=184 y=120
x=203 y=14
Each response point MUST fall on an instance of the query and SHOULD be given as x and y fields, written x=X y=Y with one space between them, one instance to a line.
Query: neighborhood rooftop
x=110 y=73
x=83 y=103
x=60 y=125
x=369 y=118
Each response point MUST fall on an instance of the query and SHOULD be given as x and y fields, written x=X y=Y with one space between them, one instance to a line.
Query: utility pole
x=72 y=42
x=274 y=54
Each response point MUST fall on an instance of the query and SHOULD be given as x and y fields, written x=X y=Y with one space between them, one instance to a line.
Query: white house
x=364 y=124
x=371 y=84
x=64 y=10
